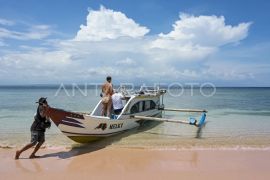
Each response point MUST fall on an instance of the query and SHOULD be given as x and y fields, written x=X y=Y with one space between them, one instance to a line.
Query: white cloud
x=172 y=51
x=231 y=70
x=203 y=31
x=36 y=60
x=35 y=66
x=6 y=22
x=2 y=43
x=126 y=62
x=109 y=24
x=36 y=32
x=196 y=37
x=111 y=43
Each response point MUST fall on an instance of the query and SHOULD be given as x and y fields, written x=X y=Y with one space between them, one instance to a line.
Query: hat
x=42 y=100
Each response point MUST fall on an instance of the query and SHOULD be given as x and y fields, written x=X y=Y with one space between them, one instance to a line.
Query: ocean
x=236 y=118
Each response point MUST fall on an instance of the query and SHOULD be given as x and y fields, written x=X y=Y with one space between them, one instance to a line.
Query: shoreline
x=83 y=147
x=136 y=163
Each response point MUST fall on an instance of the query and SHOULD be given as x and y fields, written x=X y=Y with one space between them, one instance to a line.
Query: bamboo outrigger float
x=144 y=105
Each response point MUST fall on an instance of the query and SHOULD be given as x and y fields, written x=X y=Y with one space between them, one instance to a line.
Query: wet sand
x=128 y=163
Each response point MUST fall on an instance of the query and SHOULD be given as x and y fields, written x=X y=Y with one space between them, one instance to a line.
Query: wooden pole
x=184 y=110
x=161 y=119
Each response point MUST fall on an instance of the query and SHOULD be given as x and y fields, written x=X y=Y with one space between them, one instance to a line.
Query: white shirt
x=117 y=101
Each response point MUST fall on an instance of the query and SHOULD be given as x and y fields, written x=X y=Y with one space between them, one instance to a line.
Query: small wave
x=235 y=148
x=50 y=147
x=200 y=148
x=255 y=113
x=7 y=146
x=157 y=148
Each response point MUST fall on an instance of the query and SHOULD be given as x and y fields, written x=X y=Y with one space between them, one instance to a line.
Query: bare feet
x=32 y=156
x=17 y=155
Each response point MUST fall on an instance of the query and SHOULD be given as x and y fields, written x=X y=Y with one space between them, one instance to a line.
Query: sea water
x=236 y=118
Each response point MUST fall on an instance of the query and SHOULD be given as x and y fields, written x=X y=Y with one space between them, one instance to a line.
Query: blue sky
x=48 y=42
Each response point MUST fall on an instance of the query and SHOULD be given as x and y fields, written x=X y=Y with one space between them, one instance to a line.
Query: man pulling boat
x=38 y=128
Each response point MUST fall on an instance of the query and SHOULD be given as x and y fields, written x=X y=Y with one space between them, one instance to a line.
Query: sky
x=226 y=43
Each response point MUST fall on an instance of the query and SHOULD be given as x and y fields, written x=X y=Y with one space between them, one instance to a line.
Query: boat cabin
x=146 y=101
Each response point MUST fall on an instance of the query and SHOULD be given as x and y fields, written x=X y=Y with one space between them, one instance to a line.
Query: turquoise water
x=238 y=117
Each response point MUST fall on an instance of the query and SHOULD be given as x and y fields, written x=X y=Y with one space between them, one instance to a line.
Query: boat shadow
x=80 y=149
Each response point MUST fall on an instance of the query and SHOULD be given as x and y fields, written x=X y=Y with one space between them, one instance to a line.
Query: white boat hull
x=85 y=128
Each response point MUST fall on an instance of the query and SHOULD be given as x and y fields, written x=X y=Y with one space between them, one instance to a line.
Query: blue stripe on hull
x=72 y=120
x=89 y=134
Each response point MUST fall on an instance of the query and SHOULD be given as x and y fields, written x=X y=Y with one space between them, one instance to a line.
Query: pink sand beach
x=131 y=163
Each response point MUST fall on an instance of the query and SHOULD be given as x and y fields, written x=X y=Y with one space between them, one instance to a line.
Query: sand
x=127 y=163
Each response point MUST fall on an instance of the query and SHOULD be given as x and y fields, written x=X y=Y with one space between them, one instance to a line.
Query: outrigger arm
x=191 y=121
x=184 y=110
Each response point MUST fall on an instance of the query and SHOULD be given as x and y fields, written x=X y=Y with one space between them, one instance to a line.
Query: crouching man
x=38 y=128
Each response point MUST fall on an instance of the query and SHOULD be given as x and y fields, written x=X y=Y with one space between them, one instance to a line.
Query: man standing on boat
x=117 y=102
x=38 y=128
x=107 y=90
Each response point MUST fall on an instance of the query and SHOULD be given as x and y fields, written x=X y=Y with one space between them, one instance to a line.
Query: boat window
x=141 y=106
x=147 y=105
x=152 y=105
x=135 y=108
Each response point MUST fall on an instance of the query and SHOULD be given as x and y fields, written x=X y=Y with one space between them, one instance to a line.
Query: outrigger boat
x=144 y=105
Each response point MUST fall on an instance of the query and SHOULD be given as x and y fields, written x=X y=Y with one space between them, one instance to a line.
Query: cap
x=42 y=100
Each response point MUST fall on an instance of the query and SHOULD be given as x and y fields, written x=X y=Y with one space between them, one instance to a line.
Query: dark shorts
x=118 y=111
x=37 y=136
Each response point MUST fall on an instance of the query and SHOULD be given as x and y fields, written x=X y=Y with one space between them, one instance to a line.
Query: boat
x=139 y=106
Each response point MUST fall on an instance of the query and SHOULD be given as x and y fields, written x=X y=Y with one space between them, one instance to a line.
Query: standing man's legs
x=104 y=109
x=109 y=108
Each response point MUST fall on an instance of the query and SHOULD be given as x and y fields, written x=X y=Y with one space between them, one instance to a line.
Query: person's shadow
x=80 y=149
